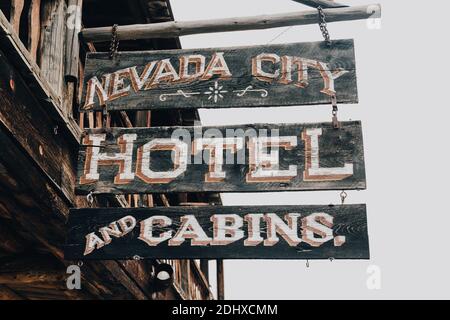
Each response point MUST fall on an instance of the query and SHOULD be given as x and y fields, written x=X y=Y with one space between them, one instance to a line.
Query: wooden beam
x=175 y=29
x=30 y=277
x=7 y=293
x=321 y=3
x=220 y=280
x=204 y=267
x=16 y=12
x=9 y=239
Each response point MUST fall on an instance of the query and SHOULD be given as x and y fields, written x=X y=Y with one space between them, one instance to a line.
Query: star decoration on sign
x=216 y=92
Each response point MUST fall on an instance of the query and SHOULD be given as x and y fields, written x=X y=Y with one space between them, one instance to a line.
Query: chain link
x=323 y=26
x=334 y=112
x=114 y=42
x=343 y=197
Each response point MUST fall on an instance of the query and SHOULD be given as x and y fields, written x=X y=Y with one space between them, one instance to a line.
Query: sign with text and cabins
x=258 y=76
x=245 y=158
x=262 y=232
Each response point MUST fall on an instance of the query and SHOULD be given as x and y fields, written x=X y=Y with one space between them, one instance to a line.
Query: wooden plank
x=301 y=157
x=265 y=232
x=7 y=294
x=34 y=27
x=259 y=76
x=72 y=57
x=16 y=13
x=174 y=29
x=52 y=47
x=220 y=280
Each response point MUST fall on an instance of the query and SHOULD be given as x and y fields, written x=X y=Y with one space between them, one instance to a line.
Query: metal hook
x=334 y=112
x=343 y=197
x=90 y=198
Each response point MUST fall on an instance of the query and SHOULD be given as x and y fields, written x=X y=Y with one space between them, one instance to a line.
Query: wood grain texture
x=337 y=147
x=14 y=49
x=72 y=56
x=16 y=12
x=52 y=46
x=241 y=89
x=349 y=221
x=34 y=27
x=182 y=28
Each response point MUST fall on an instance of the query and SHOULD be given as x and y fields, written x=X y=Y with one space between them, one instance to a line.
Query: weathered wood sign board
x=259 y=76
x=274 y=232
x=249 y=158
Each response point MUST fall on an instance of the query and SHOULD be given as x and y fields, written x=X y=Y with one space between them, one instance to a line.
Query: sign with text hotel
x=272 y=232
x=259 y=76
x=247 y=158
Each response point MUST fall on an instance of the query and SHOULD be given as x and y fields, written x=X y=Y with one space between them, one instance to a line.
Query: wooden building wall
x=41 y=66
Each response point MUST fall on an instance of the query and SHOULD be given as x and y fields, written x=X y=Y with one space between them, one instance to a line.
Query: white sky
x=402 y=86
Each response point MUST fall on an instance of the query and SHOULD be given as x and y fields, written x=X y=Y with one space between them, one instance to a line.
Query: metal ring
x=90 y=198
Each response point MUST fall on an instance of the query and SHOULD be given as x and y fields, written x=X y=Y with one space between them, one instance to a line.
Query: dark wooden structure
x=41 y=67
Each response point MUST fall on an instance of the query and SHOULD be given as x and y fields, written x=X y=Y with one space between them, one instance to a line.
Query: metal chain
x=114 y=42
x=334 y=112
x=323 y=25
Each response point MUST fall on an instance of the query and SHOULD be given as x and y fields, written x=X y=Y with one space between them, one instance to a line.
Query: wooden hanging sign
x=258 y=76
x=273 y=232
x=248 y=158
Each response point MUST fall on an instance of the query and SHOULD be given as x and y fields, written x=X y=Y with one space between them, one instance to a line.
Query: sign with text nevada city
x=271 y=75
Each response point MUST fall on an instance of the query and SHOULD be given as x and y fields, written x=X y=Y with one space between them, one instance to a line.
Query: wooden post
x=204 y=267
x=72 y=42
x=16 y=12
x=34 y=29
x=220 y=280
x=174 y=29
x=53 y=26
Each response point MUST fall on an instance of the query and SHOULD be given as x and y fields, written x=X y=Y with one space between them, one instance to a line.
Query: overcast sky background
x=404 y=105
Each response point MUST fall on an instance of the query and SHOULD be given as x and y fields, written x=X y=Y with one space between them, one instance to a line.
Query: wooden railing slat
x=34 y=28
x=16 y=12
